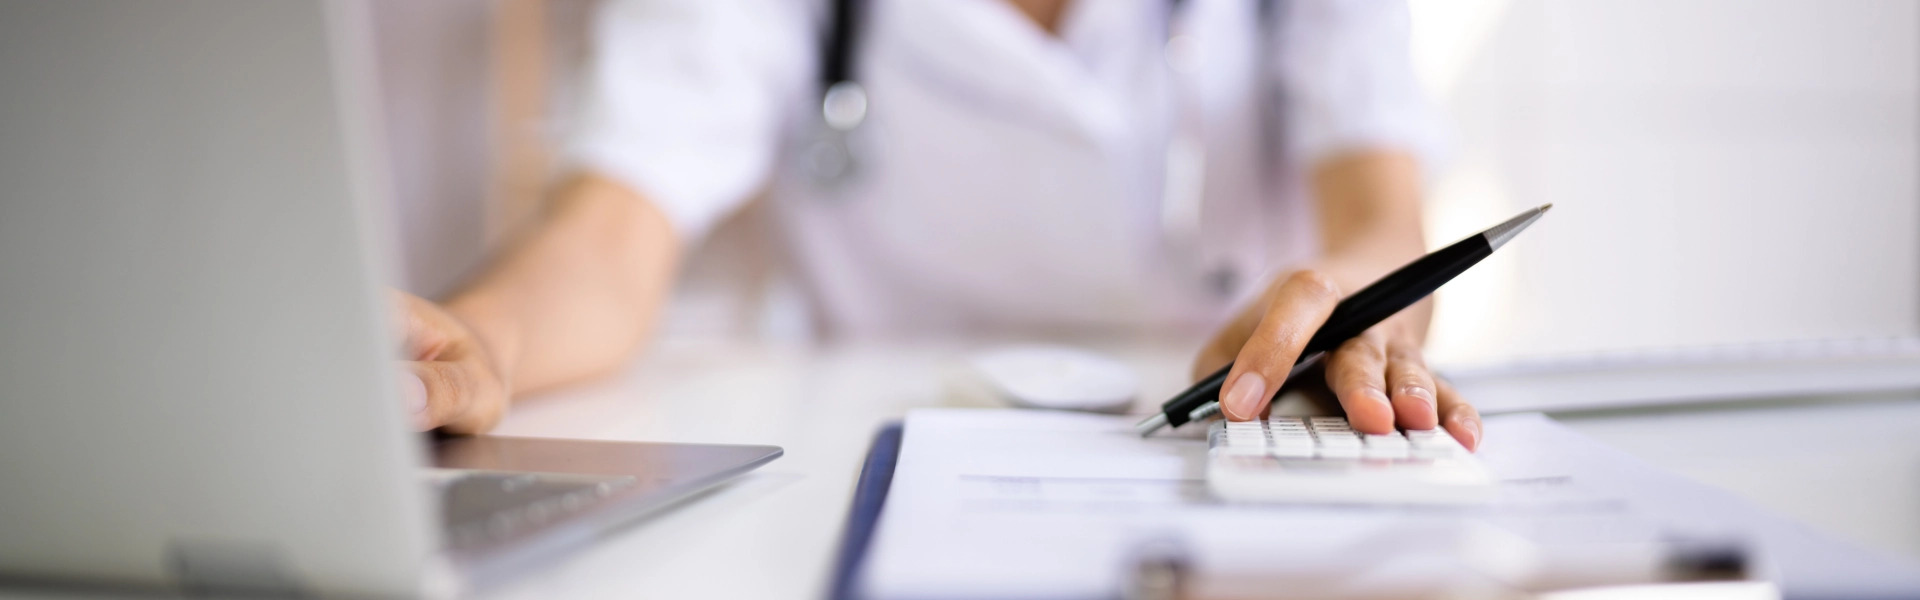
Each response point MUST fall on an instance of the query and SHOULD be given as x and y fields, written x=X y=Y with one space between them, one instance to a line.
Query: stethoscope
x=834 y=157
x=836 y=154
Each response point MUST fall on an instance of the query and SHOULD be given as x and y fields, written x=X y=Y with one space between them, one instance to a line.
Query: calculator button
x=1292 y=450
x=1385 y=446
x=1431 y=441
x=1435 y=446
x=1340 y=451
x=1248 y=441
x=1342 y=444
x=1392 y=440
x=1306 y=460
x=1386 y=453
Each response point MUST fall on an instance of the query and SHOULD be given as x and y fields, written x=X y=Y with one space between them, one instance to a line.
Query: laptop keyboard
x=484 y=506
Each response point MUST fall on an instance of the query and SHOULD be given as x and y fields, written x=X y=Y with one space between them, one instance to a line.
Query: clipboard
x=1801 y=562
x=869 y=495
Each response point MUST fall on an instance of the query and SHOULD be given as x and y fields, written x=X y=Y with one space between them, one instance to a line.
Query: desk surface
x=1849 y=468
x=1856 y=473
x=773 y=533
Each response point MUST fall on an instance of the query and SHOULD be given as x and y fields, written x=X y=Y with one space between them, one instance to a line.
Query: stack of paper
x=1030 y=504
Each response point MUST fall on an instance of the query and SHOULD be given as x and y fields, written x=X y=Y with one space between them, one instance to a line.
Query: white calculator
x=1323 y=460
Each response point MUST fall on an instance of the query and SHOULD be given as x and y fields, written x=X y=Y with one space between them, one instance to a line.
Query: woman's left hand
x=1380 y=377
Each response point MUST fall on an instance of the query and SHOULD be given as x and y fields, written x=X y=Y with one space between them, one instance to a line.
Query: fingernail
x=415 y=391
x=1473 y=433
x=1380 y=397
x=1425 y=395
x=1243 y=400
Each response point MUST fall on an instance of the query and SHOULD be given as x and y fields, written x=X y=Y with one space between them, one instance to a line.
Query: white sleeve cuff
x=683 y=100
x=1349 y=84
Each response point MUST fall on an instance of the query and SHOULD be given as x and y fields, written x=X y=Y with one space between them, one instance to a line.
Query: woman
x=951 y=165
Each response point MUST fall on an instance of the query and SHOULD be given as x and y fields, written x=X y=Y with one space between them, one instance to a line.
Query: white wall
x=1721 y=170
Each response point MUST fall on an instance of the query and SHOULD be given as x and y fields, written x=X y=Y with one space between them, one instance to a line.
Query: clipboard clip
x=1161 y=569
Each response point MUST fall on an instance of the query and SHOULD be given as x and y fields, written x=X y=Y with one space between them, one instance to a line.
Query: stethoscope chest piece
x=833 y=155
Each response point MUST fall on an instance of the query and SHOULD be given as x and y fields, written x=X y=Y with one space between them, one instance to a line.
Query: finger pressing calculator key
x=1323 y=460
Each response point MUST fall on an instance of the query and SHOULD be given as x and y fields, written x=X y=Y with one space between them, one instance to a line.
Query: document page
x=1034 y=504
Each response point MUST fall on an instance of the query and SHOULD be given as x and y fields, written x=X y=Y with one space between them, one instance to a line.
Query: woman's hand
x=1379 y=377
x=453 y=380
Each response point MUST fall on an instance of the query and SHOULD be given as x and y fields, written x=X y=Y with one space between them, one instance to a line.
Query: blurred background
x=1729 y=176
x=1727 y=288
x=1769 y=142
x=1772 y=143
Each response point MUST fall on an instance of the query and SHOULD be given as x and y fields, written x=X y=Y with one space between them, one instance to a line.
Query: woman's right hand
x=452 y=380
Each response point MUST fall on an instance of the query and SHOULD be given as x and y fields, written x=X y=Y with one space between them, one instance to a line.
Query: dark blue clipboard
x=869 y=495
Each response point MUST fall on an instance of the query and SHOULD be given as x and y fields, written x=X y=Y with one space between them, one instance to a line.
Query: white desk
x=774 y=533
x=1851 y=468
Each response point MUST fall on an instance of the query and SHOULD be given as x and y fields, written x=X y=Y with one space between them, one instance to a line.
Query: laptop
x=198 y=376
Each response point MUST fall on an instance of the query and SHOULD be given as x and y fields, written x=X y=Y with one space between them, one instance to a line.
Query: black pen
x=1353 y=315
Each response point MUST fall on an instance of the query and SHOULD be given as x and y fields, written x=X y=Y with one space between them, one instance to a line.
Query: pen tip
x=1151 y=424
x=1499 y=234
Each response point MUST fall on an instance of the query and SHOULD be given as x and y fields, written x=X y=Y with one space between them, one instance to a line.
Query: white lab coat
x=1016 y=178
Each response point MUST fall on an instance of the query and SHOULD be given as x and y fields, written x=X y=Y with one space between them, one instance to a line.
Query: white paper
x=1032 y=504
